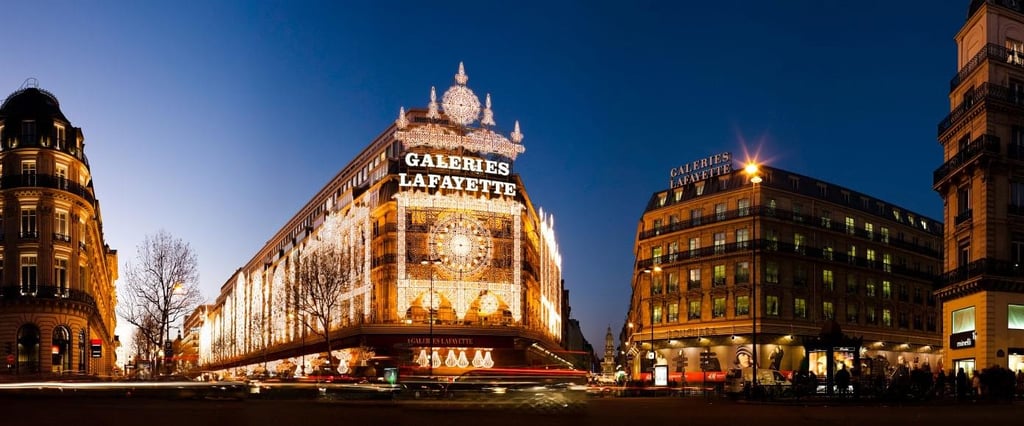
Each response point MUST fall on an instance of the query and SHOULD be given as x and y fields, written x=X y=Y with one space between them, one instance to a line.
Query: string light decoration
x=461 y=107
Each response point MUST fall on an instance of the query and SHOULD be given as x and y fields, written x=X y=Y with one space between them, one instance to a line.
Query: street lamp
x=430 y=315
x=754 y=174
x=653 y=357
x=176 y=288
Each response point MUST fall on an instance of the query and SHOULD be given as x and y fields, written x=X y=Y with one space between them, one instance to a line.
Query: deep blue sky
x=217 y=120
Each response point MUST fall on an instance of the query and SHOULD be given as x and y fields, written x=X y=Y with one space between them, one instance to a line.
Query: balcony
x=993 y=267
x=964 y=216
x=61 y=237
x=990 y=51
x=46 y=181
x=10 y=293
x=694 y=222
x=984 y=144
x=985 y=92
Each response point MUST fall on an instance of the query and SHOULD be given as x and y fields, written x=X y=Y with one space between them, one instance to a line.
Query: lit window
x=771 y=305
x=29 y=278
x=800 y=307
x=827 y=310
x=718 y=307
x=693 y=312
x=742 y=305
x=963 y=320
x=1016 y=317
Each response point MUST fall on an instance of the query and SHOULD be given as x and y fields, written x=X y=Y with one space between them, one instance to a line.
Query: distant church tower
x=608 y=365
x=981 y=183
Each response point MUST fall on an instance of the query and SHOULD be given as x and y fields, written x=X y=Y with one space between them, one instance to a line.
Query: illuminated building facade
x=982 y=185
x=56 y=272
x=445 y=252
x=818 y=255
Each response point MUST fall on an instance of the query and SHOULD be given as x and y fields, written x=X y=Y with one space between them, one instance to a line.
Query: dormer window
x=28 y=132
x=61 y=136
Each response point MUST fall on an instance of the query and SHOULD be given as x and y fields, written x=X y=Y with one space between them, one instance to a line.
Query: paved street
x=609 y=411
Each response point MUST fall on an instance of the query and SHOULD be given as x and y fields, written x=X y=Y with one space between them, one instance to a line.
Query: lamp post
x=753 y=173
x=430 y=310
x=176 y=288
x=653 y=357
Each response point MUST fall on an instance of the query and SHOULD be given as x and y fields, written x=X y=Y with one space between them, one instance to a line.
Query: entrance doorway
x=967 y=364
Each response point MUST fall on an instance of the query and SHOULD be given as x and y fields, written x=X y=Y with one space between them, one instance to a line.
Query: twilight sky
x=218 y=120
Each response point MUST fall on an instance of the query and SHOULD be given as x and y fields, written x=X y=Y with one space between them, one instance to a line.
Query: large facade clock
x=462 y=244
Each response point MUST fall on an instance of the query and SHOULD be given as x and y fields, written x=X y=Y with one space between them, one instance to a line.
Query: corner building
x=57 y=274
x=981 y=183
x=447 y=255
x=793 y=256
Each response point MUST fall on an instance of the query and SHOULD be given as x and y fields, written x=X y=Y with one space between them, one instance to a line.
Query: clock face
x=462 y=244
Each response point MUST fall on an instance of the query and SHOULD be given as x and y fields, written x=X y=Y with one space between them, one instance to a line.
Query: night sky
x=218 y=120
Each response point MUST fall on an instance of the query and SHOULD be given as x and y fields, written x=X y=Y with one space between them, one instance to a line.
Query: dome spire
x=401 y=122
x=516 y=135
x=461 y=78
x=432 y=107
x=488 y=119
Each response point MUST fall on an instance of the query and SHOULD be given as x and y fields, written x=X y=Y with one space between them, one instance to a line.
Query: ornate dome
x=31 y=103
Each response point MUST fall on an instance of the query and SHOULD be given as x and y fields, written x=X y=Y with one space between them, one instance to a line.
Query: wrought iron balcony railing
x=46 y=181
x=985 y=92
x=984 y=144
x=46 y=292
x=987 y=266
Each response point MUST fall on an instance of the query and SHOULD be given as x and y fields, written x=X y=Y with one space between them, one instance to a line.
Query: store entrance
x=967 y=364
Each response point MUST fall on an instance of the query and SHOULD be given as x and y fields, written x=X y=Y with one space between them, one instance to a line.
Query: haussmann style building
x=981 y=183
x=452 y=266
x=57 y=274
x=788 y=273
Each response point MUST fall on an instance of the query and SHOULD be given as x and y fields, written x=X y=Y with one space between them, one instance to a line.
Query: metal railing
x=46 y=292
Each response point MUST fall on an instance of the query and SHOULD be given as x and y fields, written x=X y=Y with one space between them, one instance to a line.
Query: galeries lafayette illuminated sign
x=696 y=171
x=443 y=163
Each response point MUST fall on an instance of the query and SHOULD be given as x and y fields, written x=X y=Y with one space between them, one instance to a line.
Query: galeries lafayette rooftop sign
x=698 y=170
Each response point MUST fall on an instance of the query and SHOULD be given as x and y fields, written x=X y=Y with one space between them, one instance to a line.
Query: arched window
x=61 y=349
x=28 y=349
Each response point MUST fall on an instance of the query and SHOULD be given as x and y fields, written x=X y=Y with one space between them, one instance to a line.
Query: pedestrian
x=961 y=384
x=842 y=380
x=940 y=384
x=976 y=384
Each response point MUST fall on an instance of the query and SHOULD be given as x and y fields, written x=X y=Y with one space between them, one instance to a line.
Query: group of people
x=994 y=384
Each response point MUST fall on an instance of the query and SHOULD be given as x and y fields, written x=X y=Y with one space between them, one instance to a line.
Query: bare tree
x=321 y=279
x=162 y=287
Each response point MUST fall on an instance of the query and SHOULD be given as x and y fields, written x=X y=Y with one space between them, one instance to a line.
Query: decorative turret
x=401 y=122
x=488 y=119
x=517 y=136
x=432 y=106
